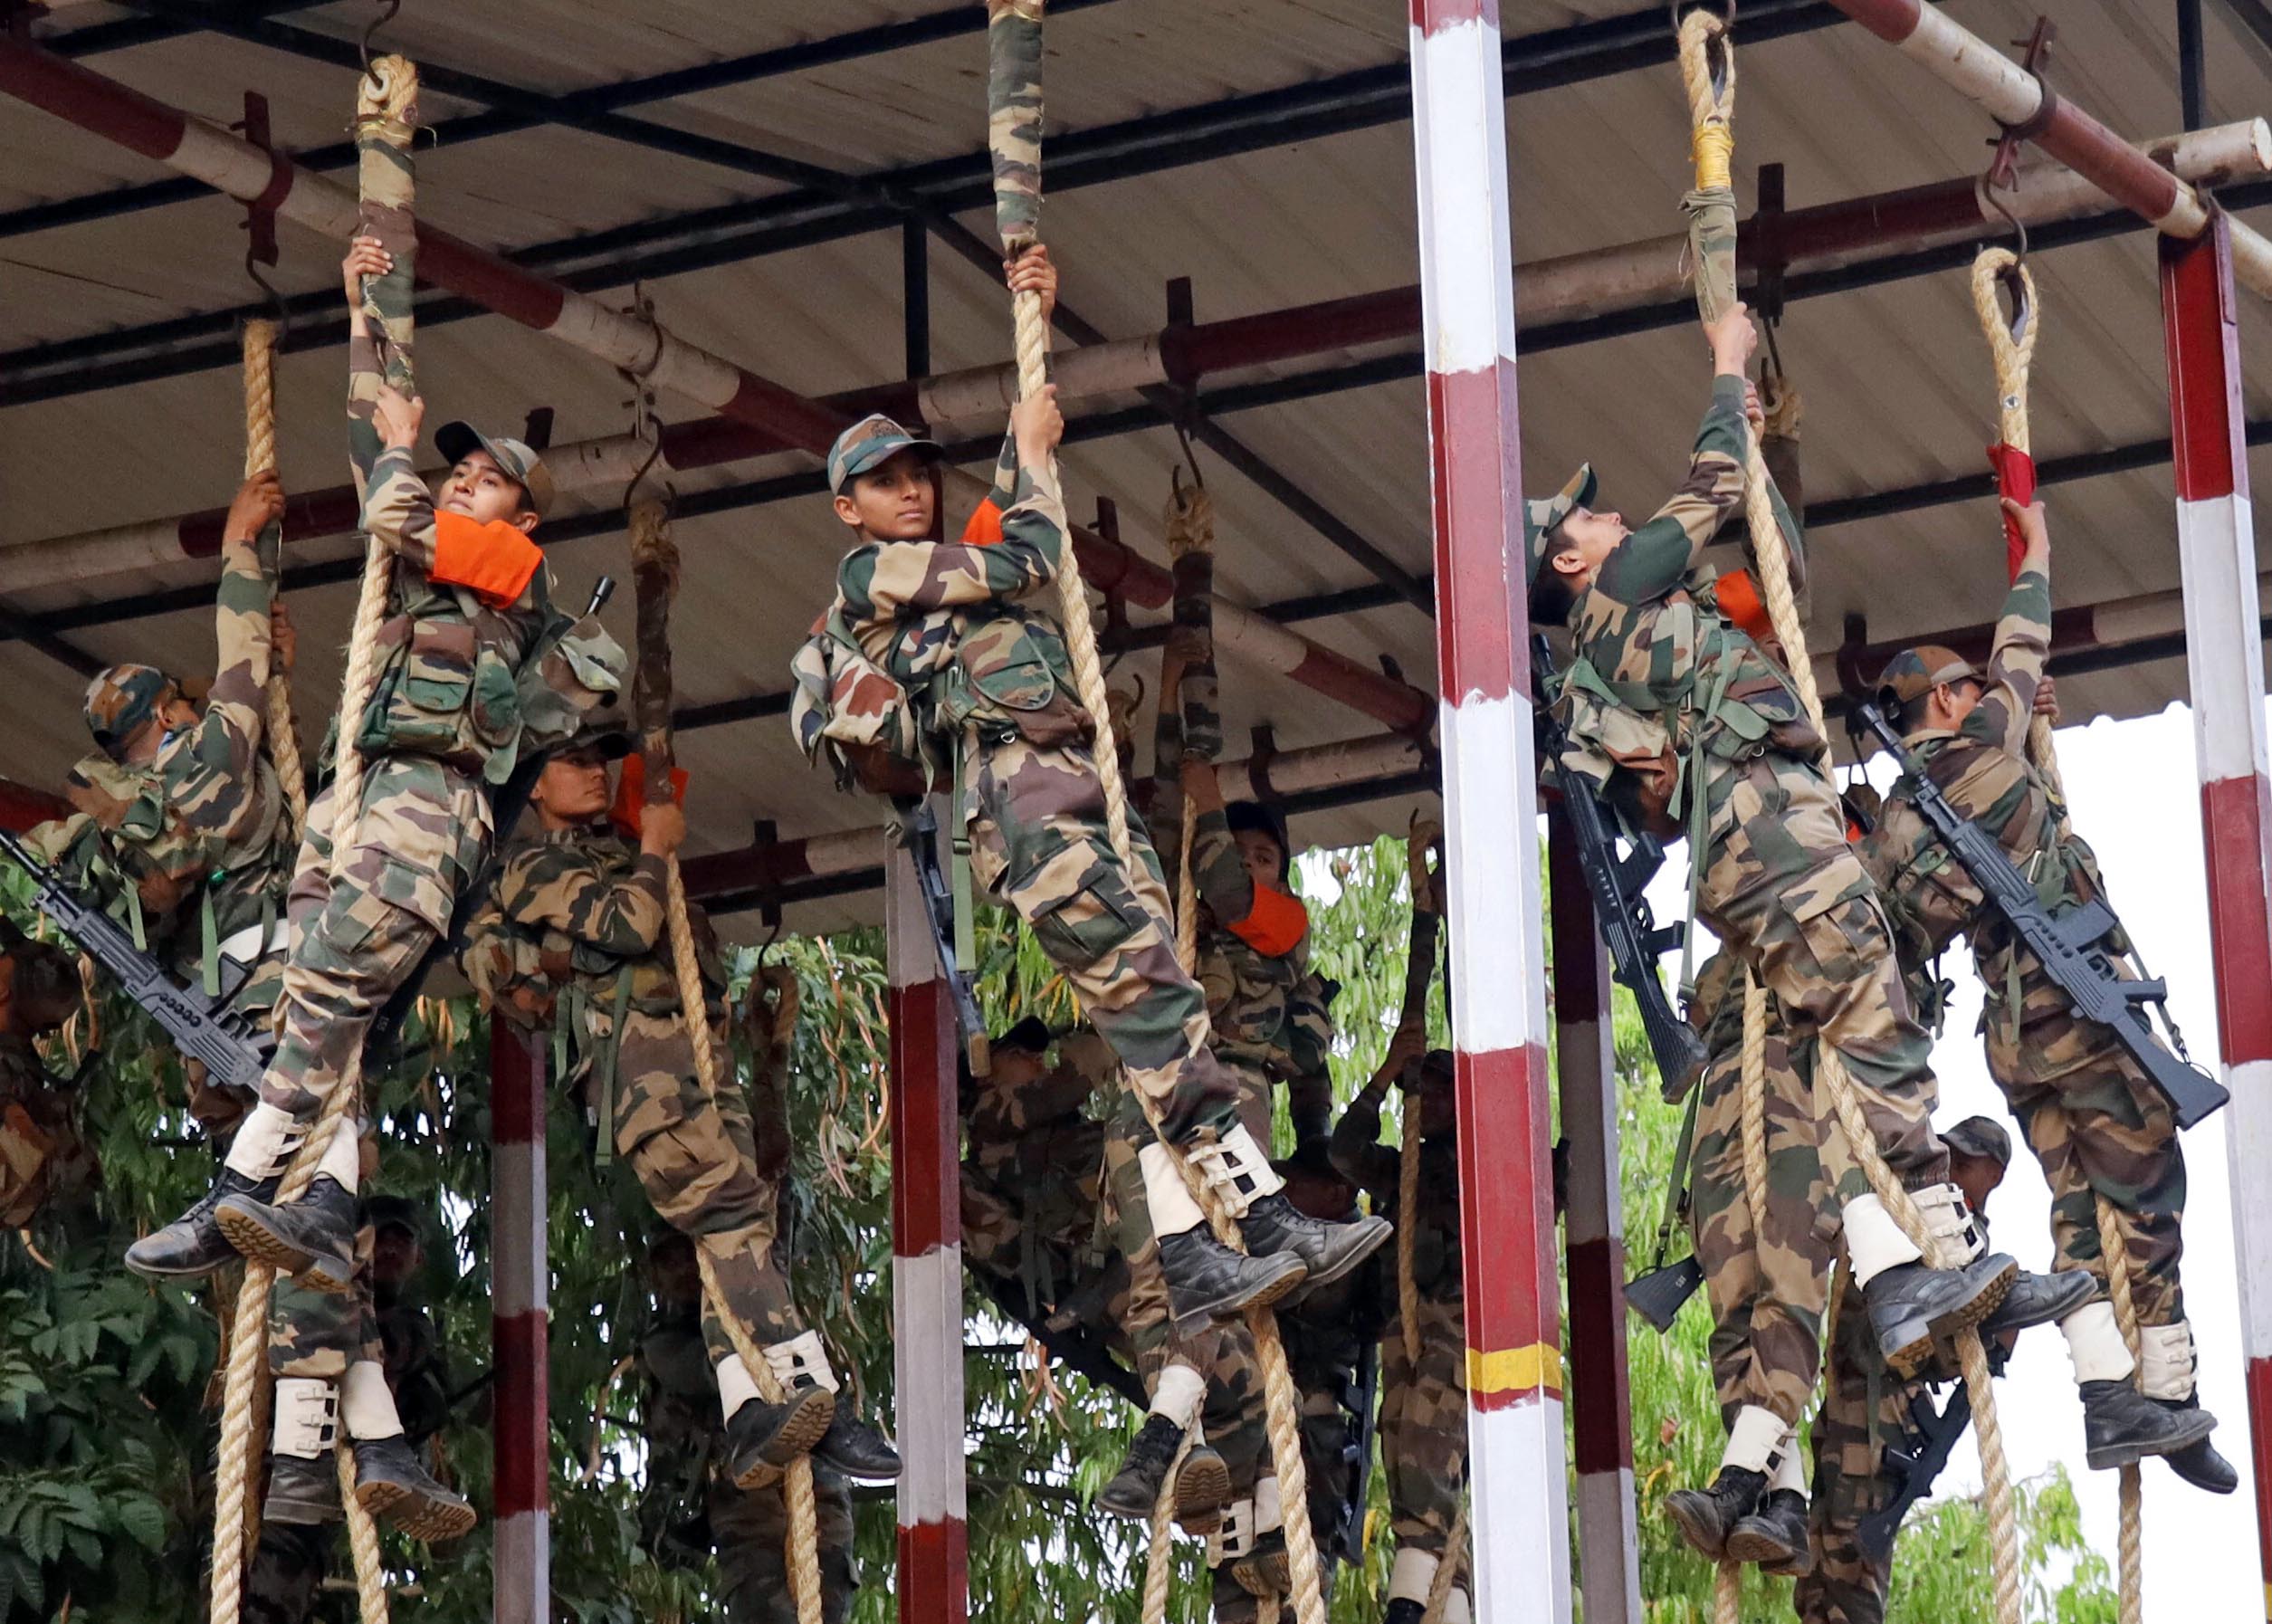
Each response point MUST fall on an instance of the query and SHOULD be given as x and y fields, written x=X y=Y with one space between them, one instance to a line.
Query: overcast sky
x=2136 y=799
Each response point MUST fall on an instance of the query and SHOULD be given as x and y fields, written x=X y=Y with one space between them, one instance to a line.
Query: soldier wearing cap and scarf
x=936 y=665
x=2100 y=1130
x=458 y=680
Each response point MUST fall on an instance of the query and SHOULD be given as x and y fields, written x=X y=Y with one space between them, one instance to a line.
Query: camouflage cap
x=1914 y=673
x=605 y=733
x=1979 y=1136
x=396 y=1212
x=120 y=699
x=867 y=443
x=1539 y=517
x=1031 y=1035
x=519 y=461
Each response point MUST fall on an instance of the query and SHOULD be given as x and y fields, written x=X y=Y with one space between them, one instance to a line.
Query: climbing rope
x=2012 y=346
x=1419 y=972
x=1754 y=1105
x=386 y=117
x=1707 y=61
x=655 y=563
x=260 y=455
x=1447 y=1570
x=1014 y=130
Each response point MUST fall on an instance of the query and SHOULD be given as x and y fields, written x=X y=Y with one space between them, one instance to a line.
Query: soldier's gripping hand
x=365 y=257
x=662 y=829
x=1754 y=409
x=2034 y=527
x=1733 y=339
x=1038 y=425
x=258 y=503
x=2047 y=703
x=283 y=639
x=396 y=416
x=1031 y=273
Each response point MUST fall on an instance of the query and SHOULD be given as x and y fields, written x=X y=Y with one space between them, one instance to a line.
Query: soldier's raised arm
x=211 y=773
x=1355 y=1147
x=365 y=257
x=2023 y=639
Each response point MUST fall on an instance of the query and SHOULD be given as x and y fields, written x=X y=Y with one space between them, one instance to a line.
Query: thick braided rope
x=386 y=112
x=655 y=559
x=1439 y=1586
x=2116 y=1250
x=1772 y=560
x=362 y=1539
x=1727 y=1592
x=1711 y=113
x=1419 y=971
x=1754 y=1103
x=259 y=455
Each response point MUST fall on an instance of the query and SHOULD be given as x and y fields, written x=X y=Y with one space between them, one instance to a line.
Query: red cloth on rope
x=2015 y=478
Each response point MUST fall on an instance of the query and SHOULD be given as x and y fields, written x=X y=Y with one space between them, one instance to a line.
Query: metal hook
x=388 y=8
x=275 y=299
x=2013 y=279
x=1190 y=457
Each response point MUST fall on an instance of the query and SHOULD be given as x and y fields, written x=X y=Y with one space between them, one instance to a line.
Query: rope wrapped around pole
x=386 y=119
x=2012 y=347
x=654 y=565
x=1707 y=61
x=260 y=455
x=1014 y=106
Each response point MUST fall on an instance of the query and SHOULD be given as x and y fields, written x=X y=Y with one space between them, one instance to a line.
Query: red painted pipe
x=23 y=807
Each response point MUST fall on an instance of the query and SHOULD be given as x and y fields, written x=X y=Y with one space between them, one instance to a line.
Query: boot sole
x=197 y=1271
x=1202 y=1489
x=253 y=1238
x=414 y=1513
x=1374 y=1233
x=2129 y=1455
x=1709 y=1538
x=1274 y=1577
x=1748 y=1544
x=799 y=1432
x=1911 y=1356
x=1192 y=1321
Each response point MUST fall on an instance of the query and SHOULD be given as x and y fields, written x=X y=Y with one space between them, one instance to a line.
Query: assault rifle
x=1620 y=910
x=232 y=1048
x=1927 y=1438
x=1359 y=1400
x=919 y=832
x=2070 y=947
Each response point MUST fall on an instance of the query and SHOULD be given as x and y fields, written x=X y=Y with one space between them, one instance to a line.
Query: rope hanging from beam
x=1707 y=62
x=282 y=734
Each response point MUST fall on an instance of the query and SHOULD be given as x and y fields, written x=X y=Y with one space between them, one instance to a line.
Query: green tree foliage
x=107 y=1425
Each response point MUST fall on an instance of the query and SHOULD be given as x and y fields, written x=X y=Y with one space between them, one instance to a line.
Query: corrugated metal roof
x=1895 y=377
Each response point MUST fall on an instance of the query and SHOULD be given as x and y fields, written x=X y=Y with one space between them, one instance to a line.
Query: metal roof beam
x=124 y=33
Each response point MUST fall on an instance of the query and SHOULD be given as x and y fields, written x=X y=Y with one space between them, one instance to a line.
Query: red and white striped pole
x=1593 y=1219
x=522 y=1434
x=2224 y=657
x=934 y=1583
x=1521 y=1511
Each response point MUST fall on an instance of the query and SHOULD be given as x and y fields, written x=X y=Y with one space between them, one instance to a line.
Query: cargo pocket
x=432 y=687
x=1086 y=925
x=1838 y=920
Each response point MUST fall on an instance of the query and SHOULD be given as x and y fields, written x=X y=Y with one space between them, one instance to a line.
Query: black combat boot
x=2122 y=1426
x=193 y=1246
x=2198 y=1464
x=1911 y=1304
x=1274 y=1226
x=391 y=1482
x=1265 y=1571
x=1707 y=1516
x=1203 y=1488
x=311 y=1239
x=1230 y=1602
x=1775 y=1535
x=857 y=1450
x=1207 y=1281
x=1134 y=1489
x=1404 y=1610
x=761 y=1438
x=2040 y=1300
x=302 y=1491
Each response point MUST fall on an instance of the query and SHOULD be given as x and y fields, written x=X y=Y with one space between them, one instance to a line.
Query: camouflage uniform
x=574 y=932
x=1862 y=1407
x=1664 y=691
x=1423 y=1419
x=1768 y=1291
x=1031 y=1182
x=43 y=1158
x=689 y=1509
x=2096 y=1125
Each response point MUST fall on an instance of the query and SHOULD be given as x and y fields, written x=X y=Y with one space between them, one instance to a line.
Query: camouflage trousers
x=1423 y=1425
x=750 y=1529
x=1049 y=1274
x=1849 y=1481
x=1782 y=888
x=319 y=1333
x=2098 y=1128
x=696 y=1158
x=358 y=937
x=288 y=1567
x=1767 y=1285
x=1039 y=844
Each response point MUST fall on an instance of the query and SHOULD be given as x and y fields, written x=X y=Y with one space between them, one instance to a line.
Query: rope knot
x=1190 y=521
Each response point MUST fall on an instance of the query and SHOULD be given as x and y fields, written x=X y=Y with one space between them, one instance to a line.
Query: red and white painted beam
x=520 y=1335
x=1379 y=757
x=1593 y=1221
x=2216 y=529
x=2018 y=100
x=1518 y=1482
x=926 y=1264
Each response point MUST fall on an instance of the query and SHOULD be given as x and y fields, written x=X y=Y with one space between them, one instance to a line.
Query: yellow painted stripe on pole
x=1515 y=1370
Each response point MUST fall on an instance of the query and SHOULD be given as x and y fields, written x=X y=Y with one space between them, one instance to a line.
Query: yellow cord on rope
x=1699 y=31
x=655 y=559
